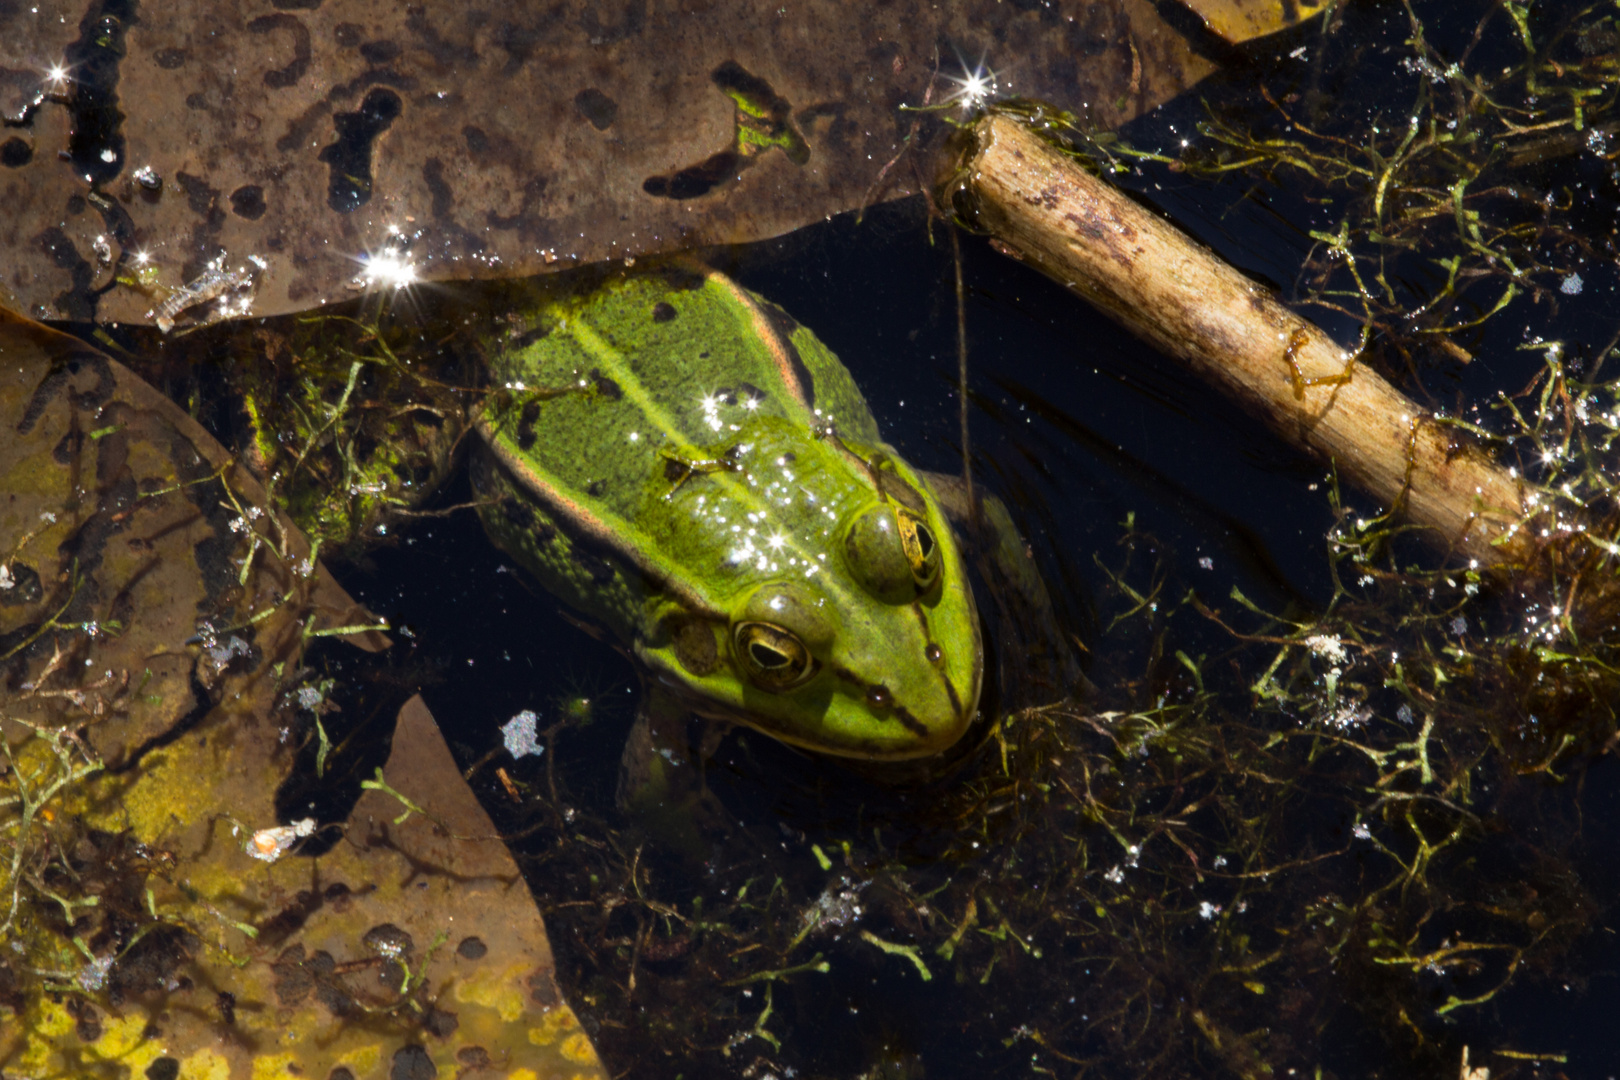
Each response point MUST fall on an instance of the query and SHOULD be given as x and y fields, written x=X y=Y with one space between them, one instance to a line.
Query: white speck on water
x=518 y=735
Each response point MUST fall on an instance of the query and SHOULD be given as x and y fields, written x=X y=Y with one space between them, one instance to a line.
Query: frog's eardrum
x=278 y=147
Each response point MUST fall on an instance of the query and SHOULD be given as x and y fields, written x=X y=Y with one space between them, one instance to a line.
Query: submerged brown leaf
x=1243 y=20
x=155 y=142
x=156 y=620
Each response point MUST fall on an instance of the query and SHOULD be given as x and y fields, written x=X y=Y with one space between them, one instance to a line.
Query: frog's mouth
x=840 y=714
x=900 y=735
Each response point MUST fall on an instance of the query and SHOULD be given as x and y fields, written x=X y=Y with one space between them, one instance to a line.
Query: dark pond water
x=1079 y=428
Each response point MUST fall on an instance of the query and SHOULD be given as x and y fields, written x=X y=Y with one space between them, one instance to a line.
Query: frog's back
x=648 y=362
x=614 y=390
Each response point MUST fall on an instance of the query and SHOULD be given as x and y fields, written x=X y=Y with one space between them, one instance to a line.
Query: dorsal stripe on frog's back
x=603 y=527
x=768 y=326
x=613 y=364
x=628 y=381
x=789 y=367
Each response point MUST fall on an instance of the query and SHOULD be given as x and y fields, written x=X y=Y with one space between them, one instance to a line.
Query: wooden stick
x=1180 y=297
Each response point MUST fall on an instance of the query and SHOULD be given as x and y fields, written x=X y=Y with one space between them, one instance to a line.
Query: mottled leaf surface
x=1243 y=20
x=155 y=620
x=145 y=141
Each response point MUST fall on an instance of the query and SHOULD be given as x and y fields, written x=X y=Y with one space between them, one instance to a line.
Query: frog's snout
x=947 y=726
x=930 y=712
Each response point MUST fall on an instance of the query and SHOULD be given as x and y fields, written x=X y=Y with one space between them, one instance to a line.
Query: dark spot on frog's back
x=525 y=424
x=663 y=312
x=529 y=337
x=522 y=517
x=15 y=153
x=784 y=325
x=606 y=388
x=599 y=570
x=163 y=1068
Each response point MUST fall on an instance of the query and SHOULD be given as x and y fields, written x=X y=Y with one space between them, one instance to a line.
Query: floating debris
x=518 y=734
x=233 y=288
x=268 y=845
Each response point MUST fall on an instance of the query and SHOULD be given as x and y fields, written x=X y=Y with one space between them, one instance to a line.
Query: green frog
x=693 y=471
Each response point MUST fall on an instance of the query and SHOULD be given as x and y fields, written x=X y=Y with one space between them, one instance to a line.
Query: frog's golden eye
x=893 y=553
x=774 y=658
x=922 y=550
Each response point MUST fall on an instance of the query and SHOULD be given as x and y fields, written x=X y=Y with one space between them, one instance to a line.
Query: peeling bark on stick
x=1180 y=297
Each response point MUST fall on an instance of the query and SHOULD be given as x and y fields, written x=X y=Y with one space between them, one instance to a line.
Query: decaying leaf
x=157 y=915
x=154 y=152
x=1244 y=20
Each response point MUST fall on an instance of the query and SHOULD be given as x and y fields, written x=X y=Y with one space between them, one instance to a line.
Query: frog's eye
x=893 y=552
x=774 y=658
x=922 y=551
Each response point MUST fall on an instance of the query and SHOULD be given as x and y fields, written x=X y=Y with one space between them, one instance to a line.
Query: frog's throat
x=585 y=521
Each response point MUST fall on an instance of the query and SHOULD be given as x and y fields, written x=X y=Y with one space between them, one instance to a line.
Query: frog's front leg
x=1029 y=626
x=661 y=783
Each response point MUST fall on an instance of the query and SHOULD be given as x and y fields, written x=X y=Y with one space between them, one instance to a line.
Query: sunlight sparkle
x=973 y=88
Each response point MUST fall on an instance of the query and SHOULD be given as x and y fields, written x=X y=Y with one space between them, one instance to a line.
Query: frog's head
x=878 y=656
